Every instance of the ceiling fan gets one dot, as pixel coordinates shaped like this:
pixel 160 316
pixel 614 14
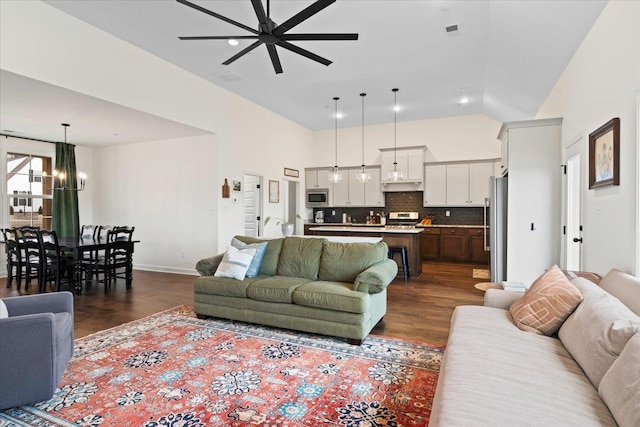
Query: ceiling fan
pixel 271 34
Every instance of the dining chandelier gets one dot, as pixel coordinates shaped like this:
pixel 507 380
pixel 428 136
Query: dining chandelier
pixel 395 174
pixel 363 176
pixel 60 178
pixel 336 176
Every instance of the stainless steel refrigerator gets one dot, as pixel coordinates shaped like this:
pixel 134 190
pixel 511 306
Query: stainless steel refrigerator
pixel 496 212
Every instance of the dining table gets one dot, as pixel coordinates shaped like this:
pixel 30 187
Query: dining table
pixel 80 245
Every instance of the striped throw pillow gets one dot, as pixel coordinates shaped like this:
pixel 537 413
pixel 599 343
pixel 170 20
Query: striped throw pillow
pixel 546 304
pixel 235 263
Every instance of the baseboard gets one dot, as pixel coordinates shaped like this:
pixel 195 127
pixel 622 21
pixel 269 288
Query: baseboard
pixel 163 269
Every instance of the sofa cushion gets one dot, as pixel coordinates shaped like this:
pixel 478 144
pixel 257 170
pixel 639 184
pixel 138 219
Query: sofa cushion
pixel 336 296
pixel 260 248
pixel 494 374
pixel 300 257
pixel 342 262
pixel 623 286
pixel 269 264
pixel 222 286
pixel 598 330
pixel 546 304
pixel 235 263
pixel 275 288
pixel 620 386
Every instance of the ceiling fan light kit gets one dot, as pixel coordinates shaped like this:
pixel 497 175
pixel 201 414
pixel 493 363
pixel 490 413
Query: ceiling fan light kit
pixel 335 175
pixel 271 34
pixel 395 174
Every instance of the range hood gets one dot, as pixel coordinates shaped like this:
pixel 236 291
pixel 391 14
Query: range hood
pixel 404 185
pixel 410 160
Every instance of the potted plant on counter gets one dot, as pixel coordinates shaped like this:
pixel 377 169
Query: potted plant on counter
pixel 287 227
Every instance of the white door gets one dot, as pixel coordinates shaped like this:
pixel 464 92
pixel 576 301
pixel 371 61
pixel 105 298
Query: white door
pixel 252 205
pixel 573 234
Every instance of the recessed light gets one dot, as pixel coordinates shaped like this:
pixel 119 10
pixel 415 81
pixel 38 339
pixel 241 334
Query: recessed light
pixel 233 42
pixel 463 100
pixel 339 116
pixel 396 108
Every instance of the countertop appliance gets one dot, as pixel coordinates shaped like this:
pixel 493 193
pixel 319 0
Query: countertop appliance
pixel 495 212
pixel 402 220
pixel 318 218
pixel 317 198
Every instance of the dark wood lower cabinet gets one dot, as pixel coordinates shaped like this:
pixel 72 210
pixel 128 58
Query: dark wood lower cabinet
pixel 454 244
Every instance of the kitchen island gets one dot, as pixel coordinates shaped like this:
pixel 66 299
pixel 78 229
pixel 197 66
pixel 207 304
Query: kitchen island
pixel 392 236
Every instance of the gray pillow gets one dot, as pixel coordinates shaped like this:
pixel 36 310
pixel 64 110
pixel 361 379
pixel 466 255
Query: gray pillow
pixel 598 330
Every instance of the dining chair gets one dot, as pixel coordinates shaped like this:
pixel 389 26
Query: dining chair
pixel 30 241
pixel 56 266
pixel 119 256
pixel 15 256
pixel 88 231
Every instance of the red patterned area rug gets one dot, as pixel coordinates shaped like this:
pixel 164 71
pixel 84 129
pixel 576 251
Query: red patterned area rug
pixel 172 369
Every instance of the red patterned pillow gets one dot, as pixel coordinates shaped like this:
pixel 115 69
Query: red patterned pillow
pixel 547 303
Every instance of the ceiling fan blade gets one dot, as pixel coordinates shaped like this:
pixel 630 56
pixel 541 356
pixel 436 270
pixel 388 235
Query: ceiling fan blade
pixel 216 15
pixel 301 16
pixel 274 58
pixel 242 52
pixel 303 52
pixel 217 37
pixel 334 36
pixel 262 16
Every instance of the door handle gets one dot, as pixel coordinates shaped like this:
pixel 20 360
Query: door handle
pixel 576 240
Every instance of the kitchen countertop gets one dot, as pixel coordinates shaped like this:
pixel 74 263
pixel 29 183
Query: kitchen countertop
pixel 450 225
pixel 365 229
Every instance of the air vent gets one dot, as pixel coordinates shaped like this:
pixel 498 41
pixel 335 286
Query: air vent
pixel 229 76
pixel 451 30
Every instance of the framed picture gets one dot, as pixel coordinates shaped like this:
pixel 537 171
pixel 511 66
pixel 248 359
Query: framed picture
pixel 274 191
pixel 604 155
pixel 292 172
pixel 237 185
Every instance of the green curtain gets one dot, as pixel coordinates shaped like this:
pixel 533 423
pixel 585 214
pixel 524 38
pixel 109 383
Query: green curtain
pixel 65 202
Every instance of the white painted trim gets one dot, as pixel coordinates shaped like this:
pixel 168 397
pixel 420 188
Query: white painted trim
pixel 163 269
pixel 637 272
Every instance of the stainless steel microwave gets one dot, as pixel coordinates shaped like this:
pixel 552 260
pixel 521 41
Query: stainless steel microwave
pixel 317 198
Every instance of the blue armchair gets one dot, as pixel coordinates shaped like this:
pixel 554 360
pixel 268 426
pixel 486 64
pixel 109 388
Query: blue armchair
pixel 36 345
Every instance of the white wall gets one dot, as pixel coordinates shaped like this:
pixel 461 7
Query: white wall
pixel 43 43
pixel 467 137
pixel 600 83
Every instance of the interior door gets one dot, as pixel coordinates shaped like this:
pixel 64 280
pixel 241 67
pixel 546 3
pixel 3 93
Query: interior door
pixel 252 205
pixel 573 234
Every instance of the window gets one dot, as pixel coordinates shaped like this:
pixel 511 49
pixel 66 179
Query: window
pixel 29 191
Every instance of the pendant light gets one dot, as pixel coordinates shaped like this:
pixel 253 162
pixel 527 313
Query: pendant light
pixel 395 174
pixel 363 176
pixel 336 175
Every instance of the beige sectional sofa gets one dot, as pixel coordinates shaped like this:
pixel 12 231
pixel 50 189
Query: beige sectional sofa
pixel 305 284
pixel 494 374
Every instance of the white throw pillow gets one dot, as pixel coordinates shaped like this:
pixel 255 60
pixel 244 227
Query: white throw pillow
pixel 3 310
pixel 235 263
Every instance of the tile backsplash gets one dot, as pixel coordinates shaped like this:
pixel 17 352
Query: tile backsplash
pixel 410 201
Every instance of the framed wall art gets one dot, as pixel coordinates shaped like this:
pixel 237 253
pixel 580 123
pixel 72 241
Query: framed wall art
pixel 604 155
pixel 292 172
pixel 237 185
pixel 274 191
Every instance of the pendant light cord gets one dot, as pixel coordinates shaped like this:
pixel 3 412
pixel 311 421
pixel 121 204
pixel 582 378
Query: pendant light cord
pixel 395 127
pixel 336 128
pixel 363 95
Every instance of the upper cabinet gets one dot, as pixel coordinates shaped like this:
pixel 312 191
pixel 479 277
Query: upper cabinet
pixel 457 183
pixel 410 160
pixel 351 193
pixel 317 178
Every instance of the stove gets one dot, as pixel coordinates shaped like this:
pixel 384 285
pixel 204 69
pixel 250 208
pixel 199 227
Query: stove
pixel 402 220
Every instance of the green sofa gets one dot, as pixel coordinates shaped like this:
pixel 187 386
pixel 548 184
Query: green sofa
pixel 305 284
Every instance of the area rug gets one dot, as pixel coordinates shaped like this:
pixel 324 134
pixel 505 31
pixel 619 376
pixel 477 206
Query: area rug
pixel 480 273
pixel 172 369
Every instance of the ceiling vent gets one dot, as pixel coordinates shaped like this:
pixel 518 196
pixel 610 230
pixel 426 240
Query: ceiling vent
pixel 451 30
pixel 229 76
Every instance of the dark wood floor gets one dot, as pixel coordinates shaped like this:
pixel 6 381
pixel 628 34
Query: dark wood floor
pixel 418 310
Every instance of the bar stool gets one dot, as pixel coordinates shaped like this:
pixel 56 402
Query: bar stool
pixel 402 250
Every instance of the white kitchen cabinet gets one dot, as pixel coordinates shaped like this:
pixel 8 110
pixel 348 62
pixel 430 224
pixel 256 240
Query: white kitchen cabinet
pixel 317 178
pixel 340 190
pixel 458 184
pixel 435 185
pixel 479 174
pixel 533 197
pixel 356 189
pixel 373 195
